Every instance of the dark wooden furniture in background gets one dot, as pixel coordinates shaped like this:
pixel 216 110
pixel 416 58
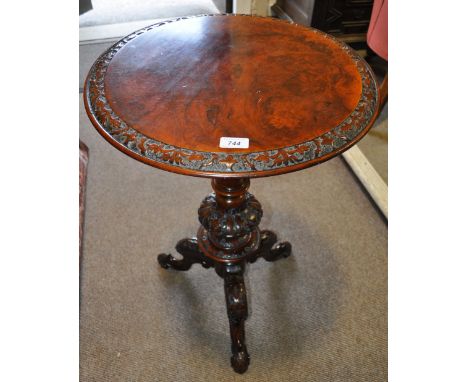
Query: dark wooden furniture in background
pixel 229 6
pixel 83 161
pixel 347 20
pixel 175 88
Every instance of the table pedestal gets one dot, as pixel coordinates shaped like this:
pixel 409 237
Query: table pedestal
pixel 228 238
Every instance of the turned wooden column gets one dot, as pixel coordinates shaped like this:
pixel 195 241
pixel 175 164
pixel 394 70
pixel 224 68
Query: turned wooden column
pixel 229 220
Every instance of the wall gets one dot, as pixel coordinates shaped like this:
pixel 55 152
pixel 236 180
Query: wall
pixel 253 7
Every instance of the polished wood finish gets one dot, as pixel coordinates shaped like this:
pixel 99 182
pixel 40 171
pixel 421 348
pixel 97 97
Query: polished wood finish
pixel 228 239
pixel 167 94
pixel 229 82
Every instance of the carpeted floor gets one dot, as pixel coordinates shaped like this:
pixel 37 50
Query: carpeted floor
pixel 320 315
pixel 122 11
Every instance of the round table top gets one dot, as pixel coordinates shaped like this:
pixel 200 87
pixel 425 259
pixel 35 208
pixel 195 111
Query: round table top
pixel 168 93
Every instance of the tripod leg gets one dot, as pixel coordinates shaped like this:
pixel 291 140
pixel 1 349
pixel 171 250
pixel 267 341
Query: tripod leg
pixel 188 248
pixel 236 303
pixel 269 250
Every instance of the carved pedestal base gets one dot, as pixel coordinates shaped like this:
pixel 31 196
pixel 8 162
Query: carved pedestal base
pixel 228 239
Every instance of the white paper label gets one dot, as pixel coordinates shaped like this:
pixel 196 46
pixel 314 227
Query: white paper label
pixel 234 143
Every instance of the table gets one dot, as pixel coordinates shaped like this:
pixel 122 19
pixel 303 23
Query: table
pixel 230 98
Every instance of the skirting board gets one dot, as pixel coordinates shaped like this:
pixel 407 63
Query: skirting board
pixel 369 177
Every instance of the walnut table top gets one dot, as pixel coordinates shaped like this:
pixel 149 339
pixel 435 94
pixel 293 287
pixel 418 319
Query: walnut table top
pixel 168 93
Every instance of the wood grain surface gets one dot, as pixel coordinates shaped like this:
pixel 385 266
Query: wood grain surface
pixel 168 93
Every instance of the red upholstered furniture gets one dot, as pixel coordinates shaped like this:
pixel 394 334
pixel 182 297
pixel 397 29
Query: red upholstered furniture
pixel 377 39
pixel 377 35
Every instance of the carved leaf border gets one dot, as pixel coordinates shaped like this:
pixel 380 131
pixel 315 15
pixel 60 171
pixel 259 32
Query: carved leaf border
pixel 226 162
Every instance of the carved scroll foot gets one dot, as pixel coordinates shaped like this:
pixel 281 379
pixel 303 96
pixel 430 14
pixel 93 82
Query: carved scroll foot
pixel 236 303
pixel 188 248
pixel 269 250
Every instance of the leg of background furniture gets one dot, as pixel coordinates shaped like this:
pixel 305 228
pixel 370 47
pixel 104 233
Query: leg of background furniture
pixel 383 92
pixel 188 248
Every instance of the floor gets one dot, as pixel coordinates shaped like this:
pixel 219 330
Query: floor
pixel 104 11
pixel 320 315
